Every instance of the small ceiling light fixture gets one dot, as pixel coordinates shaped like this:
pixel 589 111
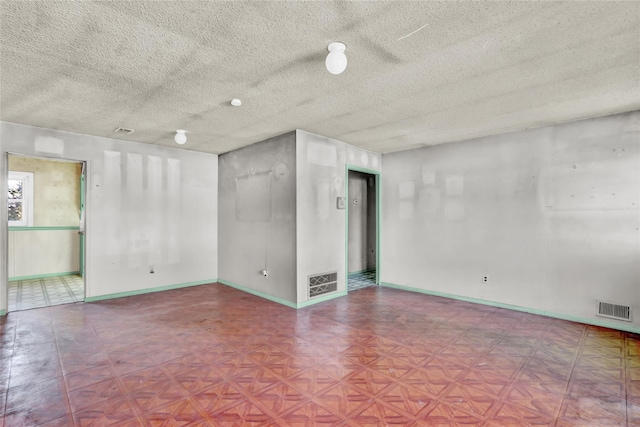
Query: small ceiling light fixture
pixel 181 136
pixel 236 102
pixel 336 61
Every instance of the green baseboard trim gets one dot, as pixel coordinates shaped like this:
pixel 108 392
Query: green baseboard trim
pixel 3 312
pixel 593 322
pixel 43 276
pixel 148 290
pixel 322 299
pixel 48 228
pixel 258 293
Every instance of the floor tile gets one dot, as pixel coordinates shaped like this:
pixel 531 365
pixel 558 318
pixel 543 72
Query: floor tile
pixel 204 356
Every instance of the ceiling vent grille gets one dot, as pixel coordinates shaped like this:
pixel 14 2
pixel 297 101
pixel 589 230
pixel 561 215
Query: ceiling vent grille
pixel 614 311
pixel 320 284
pixel 123 131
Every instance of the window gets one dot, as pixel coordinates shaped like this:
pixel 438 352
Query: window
pixel 20 199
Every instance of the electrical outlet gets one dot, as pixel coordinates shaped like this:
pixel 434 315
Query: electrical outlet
pixel 485 279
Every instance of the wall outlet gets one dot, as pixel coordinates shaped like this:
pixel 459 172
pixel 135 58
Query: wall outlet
pixel 485 279
pixel 151 269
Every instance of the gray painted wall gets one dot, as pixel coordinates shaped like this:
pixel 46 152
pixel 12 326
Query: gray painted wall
pixel 321 227
pixel 257 214
pixel 550 215
pixel 146 205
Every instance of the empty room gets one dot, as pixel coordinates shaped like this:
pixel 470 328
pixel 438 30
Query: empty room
pixel 319 213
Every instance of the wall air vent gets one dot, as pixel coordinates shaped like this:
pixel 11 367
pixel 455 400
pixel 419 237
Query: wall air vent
pixel 614 311
pixel 320 284
pixel 123 131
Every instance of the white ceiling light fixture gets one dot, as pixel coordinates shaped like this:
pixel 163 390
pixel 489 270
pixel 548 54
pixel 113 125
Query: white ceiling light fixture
pixel 336 61
pixel 236 102
pixel 181 136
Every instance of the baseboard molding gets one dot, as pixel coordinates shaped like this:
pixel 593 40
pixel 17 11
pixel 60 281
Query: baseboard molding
pixel 43 276
pixel 280 300
pixel 593 322
pixel 148 290
pixel 3 312
pixel 322 299
pixel 258 293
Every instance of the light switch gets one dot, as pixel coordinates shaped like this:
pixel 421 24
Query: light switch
pixel 341 203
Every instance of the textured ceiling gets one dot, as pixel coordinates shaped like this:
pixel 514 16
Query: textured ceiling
pixel 471 69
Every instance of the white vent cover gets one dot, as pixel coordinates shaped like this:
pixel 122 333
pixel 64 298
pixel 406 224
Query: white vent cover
pixel 124 131
pixel 320 284
pixel 614 311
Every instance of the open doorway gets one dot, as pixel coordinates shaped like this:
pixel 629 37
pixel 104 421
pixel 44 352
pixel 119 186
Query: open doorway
pixel 362 230
pixel 45 202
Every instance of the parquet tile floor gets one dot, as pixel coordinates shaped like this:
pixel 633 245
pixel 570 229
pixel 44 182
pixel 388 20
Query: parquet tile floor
pixel 213 356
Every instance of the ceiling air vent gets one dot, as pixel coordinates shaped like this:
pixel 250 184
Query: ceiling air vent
pixel 320 284
pixel 614 311
pixel 123 131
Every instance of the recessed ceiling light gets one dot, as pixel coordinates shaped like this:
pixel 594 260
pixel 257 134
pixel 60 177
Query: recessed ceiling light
pixel 236 102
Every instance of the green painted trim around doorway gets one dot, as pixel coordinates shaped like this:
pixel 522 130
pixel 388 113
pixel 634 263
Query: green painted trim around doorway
pixel 258 293
pixel 47 228
pixel 378 175
pixel 43 276
pixel 149 290
pixel 593 322
pixel 322 299
pixel 82 202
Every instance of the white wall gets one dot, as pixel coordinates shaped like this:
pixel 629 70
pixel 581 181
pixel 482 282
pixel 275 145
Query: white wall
pixel 321 178
pixel 550 215
pixel 146 205
pixel 257 212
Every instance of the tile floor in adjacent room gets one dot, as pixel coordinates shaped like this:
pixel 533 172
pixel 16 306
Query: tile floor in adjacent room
pixel 361 279
pixel 211 355
pixel 45 292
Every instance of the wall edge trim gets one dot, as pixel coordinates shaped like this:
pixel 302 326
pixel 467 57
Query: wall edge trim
pixel 258 293
pixel 317 300
pixel 149 290
pixel 3 312
pixel 586 321
pixel 43 276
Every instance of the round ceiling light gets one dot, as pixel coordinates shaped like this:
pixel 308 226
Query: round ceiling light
pixel 181 136
pixel 336 61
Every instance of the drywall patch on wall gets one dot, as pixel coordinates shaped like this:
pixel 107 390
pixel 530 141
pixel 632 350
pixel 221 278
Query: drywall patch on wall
pixel 48 145
pixel 174 215
pixel 428 175
pixel 253 197
pixel 406 190
pixel 321 153
pixel 454 184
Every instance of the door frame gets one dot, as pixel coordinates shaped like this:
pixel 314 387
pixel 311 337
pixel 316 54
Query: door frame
pixel 378 176
pixel 4 277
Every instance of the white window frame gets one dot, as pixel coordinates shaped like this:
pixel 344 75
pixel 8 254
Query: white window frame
pixel 27 198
